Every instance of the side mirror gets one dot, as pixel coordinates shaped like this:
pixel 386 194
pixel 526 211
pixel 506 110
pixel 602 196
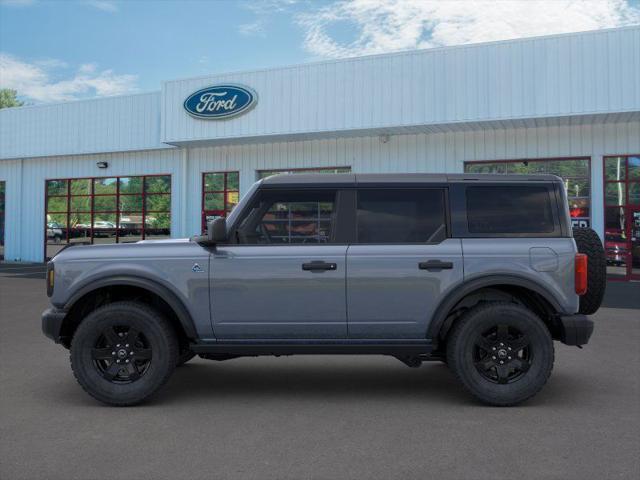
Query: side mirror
pixel 217 230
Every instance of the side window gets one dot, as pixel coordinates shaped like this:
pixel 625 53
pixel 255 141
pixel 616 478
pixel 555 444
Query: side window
pixel 509 209
pixel 279 218
pixel 401 216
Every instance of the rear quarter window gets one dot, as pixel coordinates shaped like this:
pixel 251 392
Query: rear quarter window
pixel 514 209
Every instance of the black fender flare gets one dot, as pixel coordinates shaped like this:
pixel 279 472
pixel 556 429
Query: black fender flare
pixel 184 317
pixel 458 293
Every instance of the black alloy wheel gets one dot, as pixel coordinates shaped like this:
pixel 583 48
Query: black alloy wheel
pixel 122 354
pixel 502 354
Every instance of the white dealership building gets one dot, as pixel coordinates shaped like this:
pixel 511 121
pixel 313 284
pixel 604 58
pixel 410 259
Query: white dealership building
pixel 156 164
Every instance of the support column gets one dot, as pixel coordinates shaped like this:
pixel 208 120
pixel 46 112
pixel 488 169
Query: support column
pixel 184 193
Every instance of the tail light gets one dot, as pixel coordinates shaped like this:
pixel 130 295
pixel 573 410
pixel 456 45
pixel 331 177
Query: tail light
pixel 581 273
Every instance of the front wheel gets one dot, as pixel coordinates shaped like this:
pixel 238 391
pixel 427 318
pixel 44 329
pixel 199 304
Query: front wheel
pixel 123 352
pixel 501 352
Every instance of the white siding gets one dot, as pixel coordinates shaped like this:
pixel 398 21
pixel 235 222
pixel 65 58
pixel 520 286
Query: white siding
pixel 25 195
pixel 548 77
pixel 89 126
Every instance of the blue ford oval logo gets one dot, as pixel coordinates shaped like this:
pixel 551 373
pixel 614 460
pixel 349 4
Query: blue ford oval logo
pixel 220 101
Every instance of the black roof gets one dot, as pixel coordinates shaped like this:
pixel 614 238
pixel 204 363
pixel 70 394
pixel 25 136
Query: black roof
pixel 352 179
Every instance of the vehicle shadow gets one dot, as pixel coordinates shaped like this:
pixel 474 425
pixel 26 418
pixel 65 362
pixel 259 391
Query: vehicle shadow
pixel 317 380
pixel 433 383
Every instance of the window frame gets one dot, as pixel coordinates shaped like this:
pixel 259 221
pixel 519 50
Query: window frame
pixel 225 192
pixel 627 208
pixel 92 211
pixel 445 204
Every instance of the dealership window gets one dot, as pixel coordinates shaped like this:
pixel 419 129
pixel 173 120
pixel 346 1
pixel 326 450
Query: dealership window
pixel 2 210
pixel 106 210
pixel 575 173
pixel 401 216
pixel 268 173
pixel 622 216
pixel 220 193
pixel 290 218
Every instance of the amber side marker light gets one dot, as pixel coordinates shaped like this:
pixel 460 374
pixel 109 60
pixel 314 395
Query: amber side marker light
pixel 581 273
pixel 50 279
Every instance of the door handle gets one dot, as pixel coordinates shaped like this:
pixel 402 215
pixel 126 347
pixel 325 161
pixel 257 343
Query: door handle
pixel 435 265
pixel 319 266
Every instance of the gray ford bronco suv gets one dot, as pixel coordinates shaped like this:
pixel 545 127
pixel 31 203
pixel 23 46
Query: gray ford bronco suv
pixel 482 272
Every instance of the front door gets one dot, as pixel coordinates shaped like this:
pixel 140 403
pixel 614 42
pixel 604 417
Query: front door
pixel 285 276
pixel 402 263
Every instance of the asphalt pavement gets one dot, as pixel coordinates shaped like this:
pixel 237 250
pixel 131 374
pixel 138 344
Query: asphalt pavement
pixel 317 417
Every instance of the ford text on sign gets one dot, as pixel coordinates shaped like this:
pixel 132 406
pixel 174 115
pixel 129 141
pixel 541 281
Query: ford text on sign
pixel 220 101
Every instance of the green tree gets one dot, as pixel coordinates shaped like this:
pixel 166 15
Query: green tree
pixel 8 98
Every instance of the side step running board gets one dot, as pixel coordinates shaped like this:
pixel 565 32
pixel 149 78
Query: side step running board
pixel 402 348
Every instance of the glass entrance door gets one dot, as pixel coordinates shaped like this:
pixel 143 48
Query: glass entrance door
pixel 635 242
pixel 622 216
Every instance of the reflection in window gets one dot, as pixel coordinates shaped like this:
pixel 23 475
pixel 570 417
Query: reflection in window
pixel 107 210
pixel 573 171
pixel 622 217
pixel 297 222
pixel 294 218
pixel 220 194
pixel 614 193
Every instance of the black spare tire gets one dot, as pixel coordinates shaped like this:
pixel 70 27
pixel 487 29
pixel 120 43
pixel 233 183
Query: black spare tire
pixel 589 243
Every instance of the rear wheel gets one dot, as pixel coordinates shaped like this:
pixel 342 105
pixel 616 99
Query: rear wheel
pixel 501 352
pixel 123 352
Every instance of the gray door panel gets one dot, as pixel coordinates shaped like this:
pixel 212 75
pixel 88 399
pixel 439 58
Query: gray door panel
pixel 264 292
pixel 389 295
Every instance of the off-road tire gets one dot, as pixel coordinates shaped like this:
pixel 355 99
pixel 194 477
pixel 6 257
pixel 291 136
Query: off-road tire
pixel 589 243
pixel 156 332
pixel 482 318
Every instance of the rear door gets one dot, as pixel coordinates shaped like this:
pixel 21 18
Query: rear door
pixel 402 262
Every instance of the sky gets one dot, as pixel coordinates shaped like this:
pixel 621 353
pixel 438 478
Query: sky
pixel 59 50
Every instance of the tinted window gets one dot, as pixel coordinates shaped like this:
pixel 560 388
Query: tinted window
pixel 573 171
pixel 290 218
pixel 509 209
pixel 401 216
